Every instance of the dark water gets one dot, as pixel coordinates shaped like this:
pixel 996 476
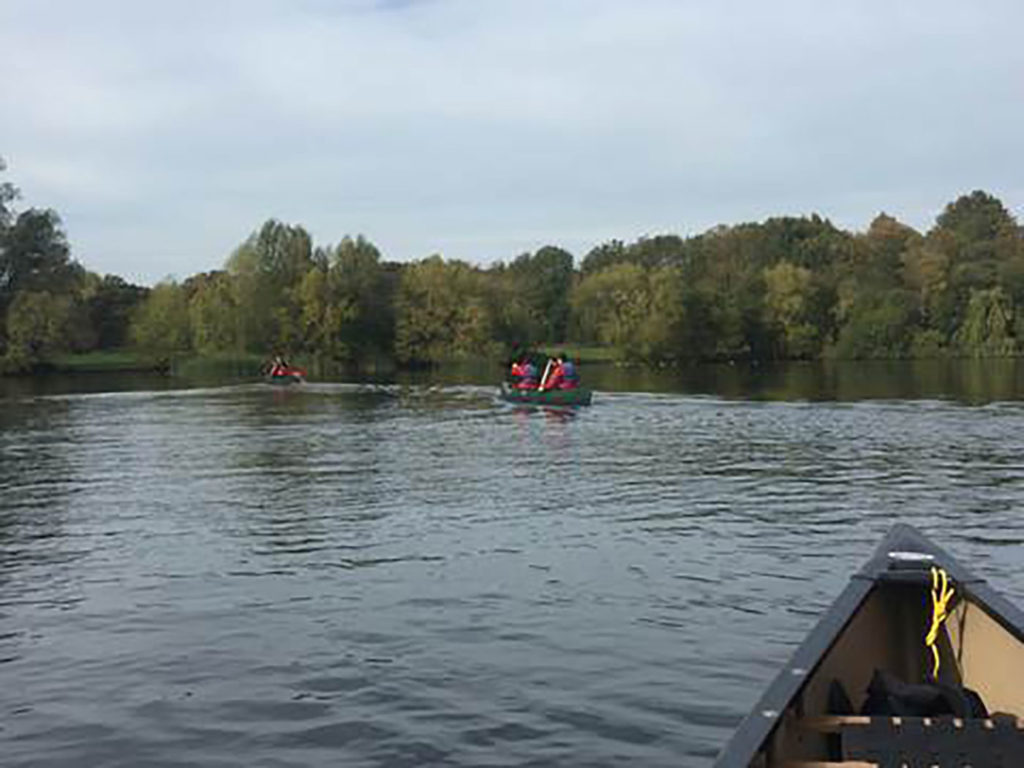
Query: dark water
pixel 419 575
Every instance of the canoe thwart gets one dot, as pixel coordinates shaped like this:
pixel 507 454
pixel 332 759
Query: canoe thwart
pixel 835 723
pixel 943 741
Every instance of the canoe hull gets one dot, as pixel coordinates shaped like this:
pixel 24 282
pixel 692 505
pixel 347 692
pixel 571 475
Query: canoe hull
pixel 285 380
pixel 878 623
pixel 579 396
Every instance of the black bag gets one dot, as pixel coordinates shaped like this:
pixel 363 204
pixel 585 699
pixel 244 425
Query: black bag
pixel 888 695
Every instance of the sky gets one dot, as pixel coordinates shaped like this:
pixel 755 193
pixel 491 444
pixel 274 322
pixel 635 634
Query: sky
pixel 165 133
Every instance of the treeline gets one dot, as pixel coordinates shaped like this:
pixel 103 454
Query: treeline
pixel 799 288
pixel 787 288
pixel 49 303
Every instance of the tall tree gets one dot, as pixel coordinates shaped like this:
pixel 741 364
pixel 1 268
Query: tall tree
pixel 267 270
pixel 603 256
pixel 110 304
pixel 789 306
pixel 34 257
pixel 880 325
pixel 39 327
pixel 161 326
pixel 544 280
pixel 976 217
pixel 360 280
pixel 325 314
pixel 988 329
pixel 612 305
pixel 442 313
pixel 212 312
pixel 8 193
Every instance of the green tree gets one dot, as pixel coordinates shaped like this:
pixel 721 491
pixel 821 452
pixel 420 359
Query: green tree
pixel 978 238
pixel 110 305
pixel 611 306
pixel 927 273
pixel 665 334
pixel 789 302
pixel 977 218
pixel 544 280
pixel 361 282
pixel 658 251
pixel 34 257
pixel 39 325
pixel 347 302
pixel 875 260
pixel 266 272
pixel 161 326
pixel 514 323
pixel 879 326
pixel 442 313
pixel 212 313
pixel 326 312
pixel 603 256
pixel 988 329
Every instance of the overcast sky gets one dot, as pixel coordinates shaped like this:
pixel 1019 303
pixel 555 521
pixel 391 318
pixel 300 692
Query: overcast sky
pixel 164 133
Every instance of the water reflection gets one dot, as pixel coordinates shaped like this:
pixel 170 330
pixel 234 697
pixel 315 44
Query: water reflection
pixel 15 387
pixel 973 381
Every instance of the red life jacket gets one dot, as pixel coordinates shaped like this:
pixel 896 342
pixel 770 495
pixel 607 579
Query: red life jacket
pixel 554 377
pixel 527 377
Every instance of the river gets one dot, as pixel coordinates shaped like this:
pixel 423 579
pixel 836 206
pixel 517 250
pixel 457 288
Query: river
pixel 414 573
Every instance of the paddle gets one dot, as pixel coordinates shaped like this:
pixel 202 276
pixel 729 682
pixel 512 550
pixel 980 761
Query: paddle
pixel 547 369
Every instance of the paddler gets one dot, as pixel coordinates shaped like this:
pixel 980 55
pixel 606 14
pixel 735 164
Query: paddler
pixel 563 374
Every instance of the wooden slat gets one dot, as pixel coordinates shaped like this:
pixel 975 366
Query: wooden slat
pixel 835 723
pixel 831 723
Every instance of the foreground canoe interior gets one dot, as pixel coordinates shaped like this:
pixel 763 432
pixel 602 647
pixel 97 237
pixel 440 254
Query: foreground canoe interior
pixel 886 633
pixel 813 715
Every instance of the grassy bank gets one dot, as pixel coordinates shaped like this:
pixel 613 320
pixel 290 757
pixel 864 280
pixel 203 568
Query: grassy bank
pixel 245 365
pixel 103 361
pixel 582 354
pixel 130 360
pixel 237 364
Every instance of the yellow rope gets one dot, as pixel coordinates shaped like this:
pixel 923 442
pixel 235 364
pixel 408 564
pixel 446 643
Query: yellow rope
pixel 942 593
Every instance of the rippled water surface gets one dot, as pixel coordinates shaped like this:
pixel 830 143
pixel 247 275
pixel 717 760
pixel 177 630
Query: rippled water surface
pixel 387 576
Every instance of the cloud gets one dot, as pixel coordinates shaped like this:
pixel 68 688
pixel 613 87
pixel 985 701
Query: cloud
pixel 165 133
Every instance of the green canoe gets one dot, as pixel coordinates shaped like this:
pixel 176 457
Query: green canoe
pixel 579 396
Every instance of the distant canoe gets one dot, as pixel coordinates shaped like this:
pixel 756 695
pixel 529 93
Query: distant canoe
pixel 291 376
pixel 578 396
pixel 833 704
